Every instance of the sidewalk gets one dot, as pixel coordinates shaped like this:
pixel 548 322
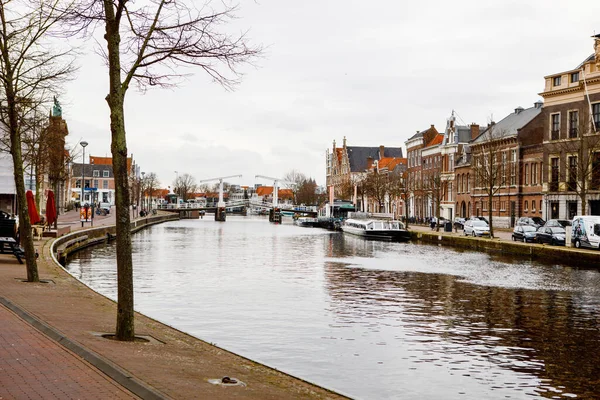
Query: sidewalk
pixel 500 233
pixel 172 365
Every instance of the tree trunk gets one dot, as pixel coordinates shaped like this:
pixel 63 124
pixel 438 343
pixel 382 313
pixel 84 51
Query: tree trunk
pixel 125 315
pixel 490 213
pixel 26 234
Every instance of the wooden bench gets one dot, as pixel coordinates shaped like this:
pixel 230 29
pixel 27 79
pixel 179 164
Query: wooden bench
pixel 13 247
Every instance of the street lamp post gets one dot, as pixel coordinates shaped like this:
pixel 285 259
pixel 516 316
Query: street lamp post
pixel 83 144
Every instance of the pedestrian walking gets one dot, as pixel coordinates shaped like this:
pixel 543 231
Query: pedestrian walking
pixel 433 222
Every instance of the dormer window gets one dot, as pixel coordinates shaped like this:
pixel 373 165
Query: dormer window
pixel 575 77
pixel 556 81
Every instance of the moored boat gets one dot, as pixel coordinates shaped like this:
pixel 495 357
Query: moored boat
pixel 306 221
pixel 376 229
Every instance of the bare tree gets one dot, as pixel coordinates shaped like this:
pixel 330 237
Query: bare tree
pixel 293 180
pixel 436 192
pixel 185 186
pixel 151 183
pixel 146 43
pixel 29 68
pixel 401 187
pixel 306 192
pixel 489 170
pixel 376 186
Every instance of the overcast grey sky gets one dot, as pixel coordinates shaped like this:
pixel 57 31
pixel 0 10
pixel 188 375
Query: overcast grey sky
pixel 375 72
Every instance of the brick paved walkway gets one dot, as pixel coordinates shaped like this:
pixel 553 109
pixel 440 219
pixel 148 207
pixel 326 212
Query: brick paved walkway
pixel 33 366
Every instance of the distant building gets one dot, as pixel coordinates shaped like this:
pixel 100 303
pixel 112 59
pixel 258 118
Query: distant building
pixel 347 165
pixel 98 180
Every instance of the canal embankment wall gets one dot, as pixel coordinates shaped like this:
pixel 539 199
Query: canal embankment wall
pixel 532 251
pixel 68 244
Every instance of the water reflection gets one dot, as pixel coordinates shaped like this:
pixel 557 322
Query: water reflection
pixel 371 319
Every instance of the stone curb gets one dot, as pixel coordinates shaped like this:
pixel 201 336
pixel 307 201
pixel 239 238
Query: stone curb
pixel 113 371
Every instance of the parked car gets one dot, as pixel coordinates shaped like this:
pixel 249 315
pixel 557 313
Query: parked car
pixel 533 221
pixel 560 223
pixel 552 235
pixel 475 227
pixel 481 219
pixel 524 233
pixel 105 207
pixel 459 223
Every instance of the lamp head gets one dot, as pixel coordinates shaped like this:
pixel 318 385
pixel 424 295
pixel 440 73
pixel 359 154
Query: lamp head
pixel 83 143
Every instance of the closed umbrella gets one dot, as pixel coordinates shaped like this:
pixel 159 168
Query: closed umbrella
pixel 34 217
pixel 50 208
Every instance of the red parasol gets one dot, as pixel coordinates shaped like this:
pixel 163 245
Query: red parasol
pixel 34 217
pixel 50 208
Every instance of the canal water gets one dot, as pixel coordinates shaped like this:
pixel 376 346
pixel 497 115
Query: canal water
pixel 372 320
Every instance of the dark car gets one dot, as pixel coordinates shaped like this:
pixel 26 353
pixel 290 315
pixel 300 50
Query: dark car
pixel 552 235
pixel 533 221
pixel 524 233
pixel 559 223
pixel 459 223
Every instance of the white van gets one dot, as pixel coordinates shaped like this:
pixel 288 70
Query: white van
pixel 585 231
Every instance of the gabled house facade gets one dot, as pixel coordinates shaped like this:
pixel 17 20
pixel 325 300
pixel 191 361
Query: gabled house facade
pixel 513 146
pixel 346 167
pixel 414 147
pixel 455 138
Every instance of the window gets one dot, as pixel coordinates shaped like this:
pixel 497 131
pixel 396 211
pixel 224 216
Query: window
pixel 556 81
pixel 532 205
pixel 540 206
pixel 513 168
pixel 526 207
pixel 96 173
pixel 96 183
pixel 596 115
pixel 554 170
pixel 554 126
pixel 503 169
pixel 575 77
pixel 572 173
pixel 468 180
pixel 105 174
pixel 86 184
pixel 105 184
pixel 78 183
pixel 527 174
pixel 534 174
pixel 596 171
pixel 573 123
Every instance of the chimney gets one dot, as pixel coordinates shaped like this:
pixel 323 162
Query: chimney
pixel 474 131
pixel 334 145
pixel 381 151
pixel 344 141
pixel 538 104
pixel 369 163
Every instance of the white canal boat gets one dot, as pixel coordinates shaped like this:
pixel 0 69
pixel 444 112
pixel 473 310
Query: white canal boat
pixel 376 229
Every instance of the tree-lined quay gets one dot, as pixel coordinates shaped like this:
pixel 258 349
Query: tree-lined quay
pixel 541 161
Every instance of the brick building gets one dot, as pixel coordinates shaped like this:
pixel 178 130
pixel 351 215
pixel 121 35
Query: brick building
pixel 571 139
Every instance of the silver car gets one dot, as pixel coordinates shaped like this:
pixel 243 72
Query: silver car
pixel 476 227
